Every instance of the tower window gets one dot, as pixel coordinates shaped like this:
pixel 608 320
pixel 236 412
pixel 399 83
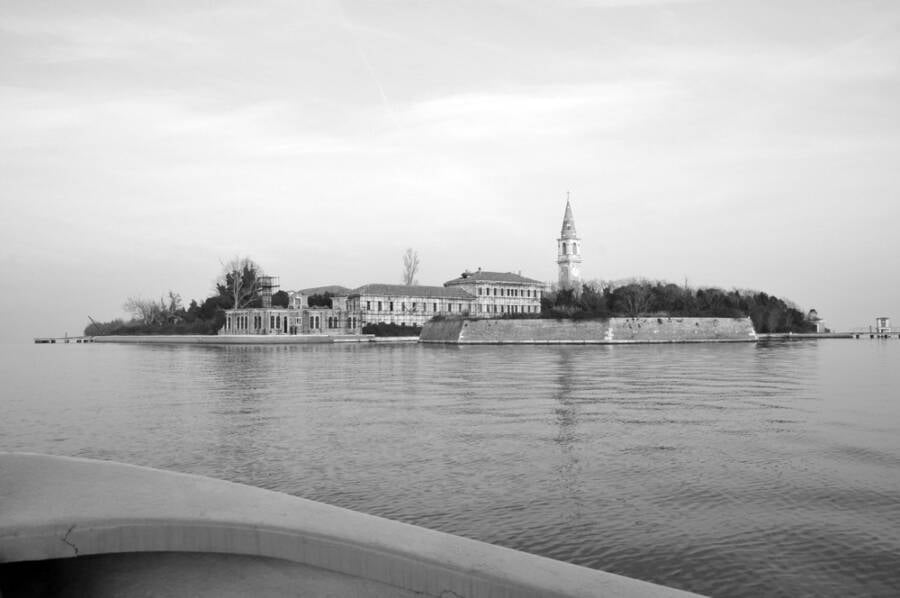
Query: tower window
pixel 574 247
pixel 565 249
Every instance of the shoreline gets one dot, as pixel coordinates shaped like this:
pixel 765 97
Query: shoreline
pixel 249 339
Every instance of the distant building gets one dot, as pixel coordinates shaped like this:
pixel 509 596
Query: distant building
pixel 479 294
pixel 297 318
pixel 882 325
pixel 496 294
pixel 813 317
pixel 403 304
pixel 569 253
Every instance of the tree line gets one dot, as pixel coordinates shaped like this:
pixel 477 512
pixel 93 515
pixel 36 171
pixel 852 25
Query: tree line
pixel 645 298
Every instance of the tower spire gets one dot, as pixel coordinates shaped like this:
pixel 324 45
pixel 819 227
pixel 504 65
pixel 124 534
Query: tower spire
pixel 569 251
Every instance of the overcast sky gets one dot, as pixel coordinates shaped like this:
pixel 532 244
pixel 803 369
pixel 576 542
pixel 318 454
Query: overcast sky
pixel 740 143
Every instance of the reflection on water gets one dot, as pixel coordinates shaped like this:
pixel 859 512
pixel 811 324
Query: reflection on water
pixel 737 470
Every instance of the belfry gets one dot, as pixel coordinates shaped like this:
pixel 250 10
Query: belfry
pixel 569 253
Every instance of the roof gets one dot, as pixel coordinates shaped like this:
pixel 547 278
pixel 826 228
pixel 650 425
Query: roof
pixel 483 276
pixel 402 290
pixel 568 224
pixel 334 289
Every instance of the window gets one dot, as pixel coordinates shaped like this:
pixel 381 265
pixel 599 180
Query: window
pixel 565 249
pixel 379 306
pixel 271 321
pixel 574 247
pixel 495 291
pixel 391 306
pixel 495 309
pixel 403 306
pixel 450 307
pixel 434 307
pixel 479 290
pixel 368 305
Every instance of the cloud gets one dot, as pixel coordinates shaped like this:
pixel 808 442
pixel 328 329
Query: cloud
pixel 547 110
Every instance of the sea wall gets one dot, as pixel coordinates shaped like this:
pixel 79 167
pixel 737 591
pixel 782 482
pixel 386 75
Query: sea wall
pixel 609 331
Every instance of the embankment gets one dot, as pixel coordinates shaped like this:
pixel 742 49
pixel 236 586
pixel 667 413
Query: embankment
pixel 249 339
pixel 610 331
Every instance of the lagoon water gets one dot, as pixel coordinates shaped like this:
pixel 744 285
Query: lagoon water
pixel 731 470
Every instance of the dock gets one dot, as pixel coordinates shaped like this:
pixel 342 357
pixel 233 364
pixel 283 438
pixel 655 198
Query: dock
pixel 44 340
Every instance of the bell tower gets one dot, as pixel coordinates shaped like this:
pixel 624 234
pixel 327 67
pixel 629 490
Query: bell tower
pixel 569 253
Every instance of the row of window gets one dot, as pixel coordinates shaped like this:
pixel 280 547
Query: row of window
pixel 509 309
pixel 503 292
pixel 334 322
pixel 413 306
pixel 276 322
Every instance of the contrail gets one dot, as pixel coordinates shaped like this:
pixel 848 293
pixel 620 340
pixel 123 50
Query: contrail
pixel 365 61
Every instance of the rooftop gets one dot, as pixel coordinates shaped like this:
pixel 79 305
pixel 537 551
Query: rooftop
pixel 336 290
pixel 484 276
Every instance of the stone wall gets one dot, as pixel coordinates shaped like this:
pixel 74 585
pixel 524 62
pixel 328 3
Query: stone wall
pixel 611 331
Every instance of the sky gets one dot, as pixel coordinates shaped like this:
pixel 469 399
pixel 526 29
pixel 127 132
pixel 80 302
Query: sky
pixel 739 144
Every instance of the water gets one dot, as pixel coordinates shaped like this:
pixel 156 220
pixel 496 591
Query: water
pixel 731 470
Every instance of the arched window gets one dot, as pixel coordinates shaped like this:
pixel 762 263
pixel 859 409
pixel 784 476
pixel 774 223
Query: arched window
pixel 565 249
pixel 574 248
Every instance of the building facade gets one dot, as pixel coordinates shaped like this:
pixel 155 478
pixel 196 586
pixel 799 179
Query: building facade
pixel 568 253
pixel 410 305
pixel 297 318
pixel 496 294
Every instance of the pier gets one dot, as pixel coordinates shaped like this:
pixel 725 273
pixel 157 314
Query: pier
pixel 45 340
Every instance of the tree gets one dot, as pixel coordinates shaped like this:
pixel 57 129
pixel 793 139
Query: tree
pixel 320 300
pixel 281 299
pixel 410 267
pixel 240 282
pixel 145 311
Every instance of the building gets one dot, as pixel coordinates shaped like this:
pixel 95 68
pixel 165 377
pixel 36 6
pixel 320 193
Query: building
pixel 813 317
pixel 410 305
pixel 568 250
pixel 882 325
pixel 297 318
pixel 479 294
pixel 496 294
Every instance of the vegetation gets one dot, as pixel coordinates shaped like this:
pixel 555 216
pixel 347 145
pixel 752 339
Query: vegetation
pixel 645 298
pixel 281 299
pixel 385 329
pixel 410 267
pixel 319 299
pixel 238 284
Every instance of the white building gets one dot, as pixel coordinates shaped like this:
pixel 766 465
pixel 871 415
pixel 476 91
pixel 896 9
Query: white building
pixel 496 294
pixel 410 305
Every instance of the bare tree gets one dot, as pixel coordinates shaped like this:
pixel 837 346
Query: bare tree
pixel 146 311
pixel 239 280
pixel 410 267
pixel 636 299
